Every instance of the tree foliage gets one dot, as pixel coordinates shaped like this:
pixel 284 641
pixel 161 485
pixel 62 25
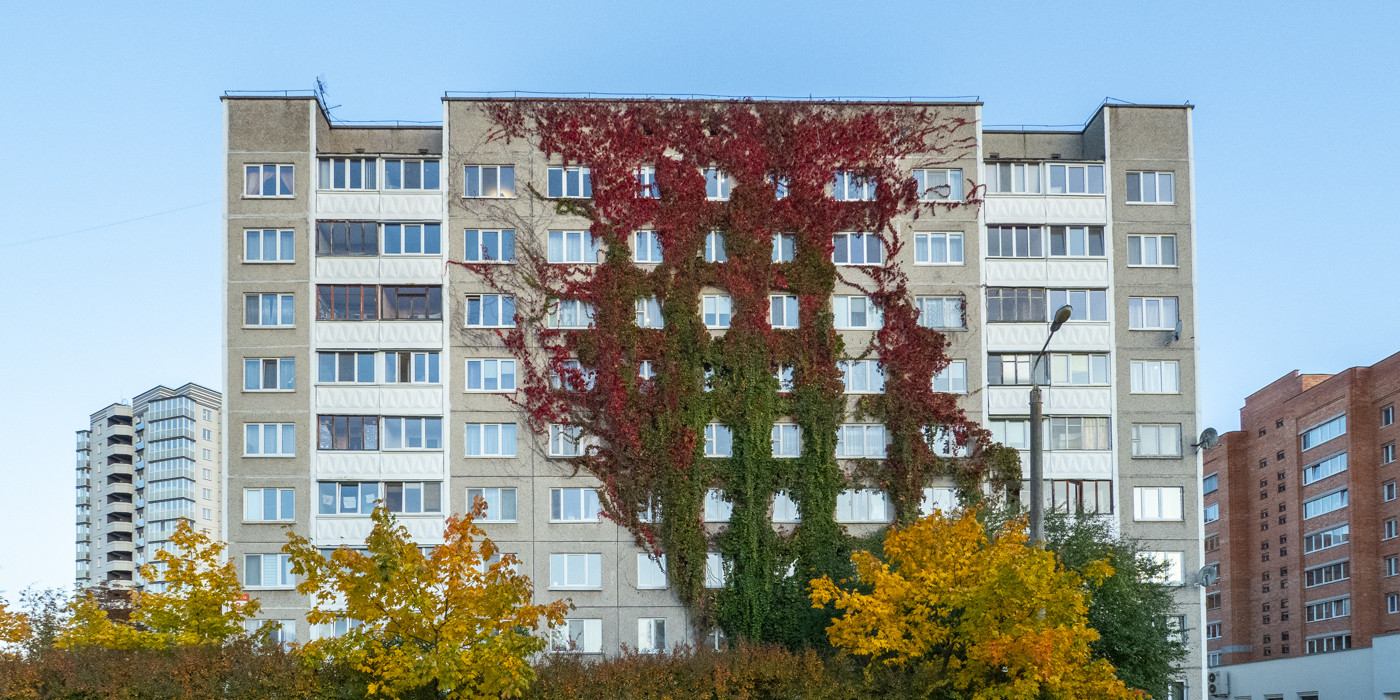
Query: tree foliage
pixel 972 614
pixel 458 620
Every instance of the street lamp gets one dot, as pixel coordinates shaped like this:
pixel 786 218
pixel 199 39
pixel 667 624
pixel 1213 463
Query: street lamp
pixel 1037 470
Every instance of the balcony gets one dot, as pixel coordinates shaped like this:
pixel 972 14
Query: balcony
pixel 168 492
pixel 120 488
pixel 84 440
pixel 1046 209
pixel 1029 337
pixel 170 449
pixel 170 408
pixel 1061 400
pixel 400 399
pixel 375 335
pixel 166 430
pixel 391 205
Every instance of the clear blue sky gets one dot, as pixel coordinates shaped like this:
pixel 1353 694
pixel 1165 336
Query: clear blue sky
pixel 110 112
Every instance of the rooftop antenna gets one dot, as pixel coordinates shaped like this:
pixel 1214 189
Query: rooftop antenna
pixel 321 96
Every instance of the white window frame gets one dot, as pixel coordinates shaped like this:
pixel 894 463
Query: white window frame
pixel 286 580
pixel 255 505
pixel 1175 561
pixel 846 243
pixel 718 184
pixel 715 251
pixel 284 366
pixel 651 635
pixel 867 432
pixel 583 178
pixel 1321 469
pixel 1066 367
pixel 404 232
pixel 938 498
pixel 867 373
pixel 584 499
pixel 862 506
pixel 567 441
pixel 1139 431
pixel 646 183
pixel 1165 374
pixel 495 498
pixel 283 240
pixel 1158 244
pixel 358 364
pixel 420 433
pixel 590 631
pixel 369 173
pixel 783 310
pixel 506 436
pixel 1140 307
pixel 716 310
pixel 1323 432
pixel 501 192
pixel 1330 502
pixel 784 247
pixel 480 300
pixel 283 302
pixel 1388 491
pixel 716 575
pixel 953 378
pixel 589 252
pixel 1087 305
pixel 262 174
pixel 649 570
pixel 1067 170
pixel 847 187
pixel 1211 513
pixel 1161 180
pixel 1020 178
pixel 786 439
pixel 718 435
pixel 950 245
pixel 278 430
pixel 427 361
pixel 649 313
pixel 419 162
pixel 505 245
pixel 925 304
pixel 646 247
pixel 718 509
pixel 784 377
pixel 842 305
pixel 497 366
pixel 1326 539
pixel 930 182
pixel 580 314
pixel 785 509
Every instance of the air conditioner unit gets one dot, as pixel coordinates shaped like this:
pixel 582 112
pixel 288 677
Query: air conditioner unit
pixel 1218 684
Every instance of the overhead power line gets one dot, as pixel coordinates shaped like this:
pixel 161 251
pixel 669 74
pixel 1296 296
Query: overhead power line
pixel 52 236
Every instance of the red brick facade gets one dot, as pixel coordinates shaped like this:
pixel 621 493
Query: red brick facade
pixel 1261 601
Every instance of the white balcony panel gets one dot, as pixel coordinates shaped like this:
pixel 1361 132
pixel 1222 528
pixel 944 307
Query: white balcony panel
pixel 407 206
pixel 348 399
pixel 347 205
pixel 416 335
pixel 1028 337
pixel 411 270
pixel 1047 273
pixel 1046 210
pixel 1076 401
pixel 1077 465
pixel 411 400
pixel 346 465
pixel 424 529
pixel 412 465
pixel 332 531
pixel 1009 400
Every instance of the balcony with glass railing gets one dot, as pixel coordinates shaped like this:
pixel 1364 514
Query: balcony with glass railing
pixel 170 510
pixel 170 408
pixel 170 449
pixel 165 491
pixel 84 440
pixel 180 468
pixel 170 428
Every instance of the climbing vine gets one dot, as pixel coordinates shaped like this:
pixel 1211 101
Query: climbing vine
pixel 648 433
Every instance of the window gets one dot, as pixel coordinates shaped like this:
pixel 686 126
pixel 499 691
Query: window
pixel 348 433
pixel 489 181
pixel 782 312
pixel 1387 453
pixel 649 313
pixel 570 313
pixel 1172 563
pixel 944 442
pixel 490 311
pixel 267 571
pixel 1157 440
pixel 719 441
pixel 1091 496
pixel 717 184
pixel 716 310
pixel 780 186
pixel 409 367
pixel 268 245
pixel 576 571
pixel 1336 464
pixel 848 187
pixel 1315 436
pixel 787 440
pixel 1152 314
pixel 1212 601
pixel 490 439
pixel 952 379
pixel 785 509
pixel 400 174
pixel 579 636
pixel 1326 539
pixel 268 180
pixel 861 506
pixel 269 374
pixel 566 441
pixel 651 571
pixel 784 377
pixel 1011 305
pixel 1388 491
pixel 1325 504
pixel 1152 251
pixel 1390 530
pixel 412 303
pixel 571 375
pixel 269 439
pixel 1328 609
pixel 1213 659
pixel 573 182
pixel 718 509
pixel 646 247
pixel 347 498
pixel 714 247
pixel 1321 575
pixel 714 570
pixel 938 248
pixel 1015 242
pixel 1085 304
pixel 347 173
pixel 483 245
pixel 1066 178
pixel 854 441
pixel 1013 178
pixel 1015 370
pixel 340 302
pixel 784 247
pixel 1212 512
pixel 208 434
pixel 500 503
pixel 651 635
pixel 1077 433
pixel 414 239
pixel 1213 630
pixel 1079 370
pixel 934 498
pixel 1387 415
pixel 269 505
pixel 412 433
pixel 490 375
pixel 413 497
pixel 1150 188
pixel 940 312
pixel 646 183
pixel 1392 566
pixel 1076 241
pixel 347 238
pixel 939 185
pixel 857 249
pixel 572 247
pixel 345 367
pixel 1155 503
pixel 1155 377
pixel 573 505
pixel 857 313
pixel 862 376
pixel 269 310
pixel 1012 433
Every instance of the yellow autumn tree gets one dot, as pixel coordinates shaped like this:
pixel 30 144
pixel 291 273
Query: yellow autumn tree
pixel 14 626
pixel 972 615
pixel 457 621
pixel 90 625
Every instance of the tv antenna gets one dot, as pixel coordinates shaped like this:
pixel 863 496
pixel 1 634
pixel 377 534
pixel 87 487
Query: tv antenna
pixel 321 96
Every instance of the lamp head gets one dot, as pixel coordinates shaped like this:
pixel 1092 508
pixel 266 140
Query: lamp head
pixel 1061 316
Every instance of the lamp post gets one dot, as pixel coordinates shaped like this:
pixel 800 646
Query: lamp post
pixel 1037 469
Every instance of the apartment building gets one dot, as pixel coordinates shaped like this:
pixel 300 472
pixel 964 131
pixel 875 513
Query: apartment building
pixel 143 467
pixel 390 384
pixel 1301 520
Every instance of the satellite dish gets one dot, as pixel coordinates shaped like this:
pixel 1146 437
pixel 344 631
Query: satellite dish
pixel 1209 438
pixel 1208 575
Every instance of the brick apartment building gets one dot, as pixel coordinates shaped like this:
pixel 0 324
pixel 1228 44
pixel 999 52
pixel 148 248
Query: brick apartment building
pixel 1311 564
